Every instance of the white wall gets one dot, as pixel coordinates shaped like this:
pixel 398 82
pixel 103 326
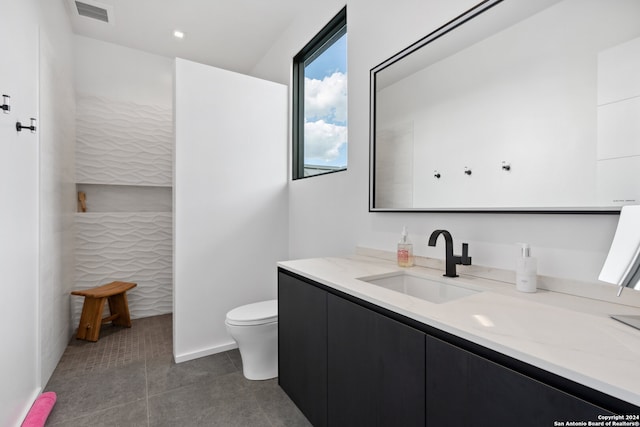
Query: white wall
pixel 329 214
pixel 116 72
pixel 230 200
pixel 57 190
pixel 19 359
pixel 322 210
pixel 38 199
pixel 618 129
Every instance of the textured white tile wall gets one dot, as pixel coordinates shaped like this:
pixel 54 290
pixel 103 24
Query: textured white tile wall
pixel 131 247
pixel 126 148
pixel 121 142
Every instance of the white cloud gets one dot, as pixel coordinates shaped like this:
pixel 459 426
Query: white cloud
pixel 323 140
pixel 327 98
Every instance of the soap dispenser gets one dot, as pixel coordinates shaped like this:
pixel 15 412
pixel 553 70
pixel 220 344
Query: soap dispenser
pixel 526 270
pixel 405 250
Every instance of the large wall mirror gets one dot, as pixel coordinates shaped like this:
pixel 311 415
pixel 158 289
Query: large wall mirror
pixel 517 105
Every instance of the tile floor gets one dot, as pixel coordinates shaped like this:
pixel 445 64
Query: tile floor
pixel 128 378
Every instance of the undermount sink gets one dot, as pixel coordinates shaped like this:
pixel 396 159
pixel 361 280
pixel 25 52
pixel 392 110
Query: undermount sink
pixel 431 290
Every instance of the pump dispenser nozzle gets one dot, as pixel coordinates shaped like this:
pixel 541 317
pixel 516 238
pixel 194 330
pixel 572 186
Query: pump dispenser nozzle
pixel 404 234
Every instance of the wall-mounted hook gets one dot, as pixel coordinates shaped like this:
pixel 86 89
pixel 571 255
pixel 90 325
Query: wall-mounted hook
pixel 467 171
pixel 5 104
pixel 436 174
pixel 506 166
pixel 32 128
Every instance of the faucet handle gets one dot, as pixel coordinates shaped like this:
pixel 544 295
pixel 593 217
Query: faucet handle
pixel 465 259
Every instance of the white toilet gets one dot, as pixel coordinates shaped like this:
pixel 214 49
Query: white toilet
pixel 255 329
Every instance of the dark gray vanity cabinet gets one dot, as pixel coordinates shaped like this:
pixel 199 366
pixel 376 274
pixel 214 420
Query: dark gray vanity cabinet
pixel 345 365
pixel 347 362
pixel 375 368
pixel 302 346
pixel 466 389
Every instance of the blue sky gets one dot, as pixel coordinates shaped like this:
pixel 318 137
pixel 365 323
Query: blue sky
pixel 333 59
pixel 326 107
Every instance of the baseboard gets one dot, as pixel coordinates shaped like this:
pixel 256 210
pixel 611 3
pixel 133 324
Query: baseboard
pixel 184 357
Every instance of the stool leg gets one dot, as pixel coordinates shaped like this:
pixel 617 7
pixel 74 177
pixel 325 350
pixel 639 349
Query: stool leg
pixel 91 319
pixel 118 304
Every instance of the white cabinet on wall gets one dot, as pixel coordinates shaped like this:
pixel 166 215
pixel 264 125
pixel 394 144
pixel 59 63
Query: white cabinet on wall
pixel 124 167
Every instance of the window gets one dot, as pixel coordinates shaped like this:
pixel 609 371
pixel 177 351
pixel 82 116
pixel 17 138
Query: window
pixel 320 102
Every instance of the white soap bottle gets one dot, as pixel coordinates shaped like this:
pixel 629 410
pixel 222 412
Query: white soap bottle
pixel 526 270
pixel 405 250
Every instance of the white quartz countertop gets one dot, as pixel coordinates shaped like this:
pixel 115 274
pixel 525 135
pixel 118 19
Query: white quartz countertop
pixel 567 335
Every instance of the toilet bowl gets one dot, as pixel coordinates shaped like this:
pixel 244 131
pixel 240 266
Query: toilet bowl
pixel 255 329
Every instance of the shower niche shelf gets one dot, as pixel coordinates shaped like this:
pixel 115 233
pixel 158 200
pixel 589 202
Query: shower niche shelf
pixel 125 198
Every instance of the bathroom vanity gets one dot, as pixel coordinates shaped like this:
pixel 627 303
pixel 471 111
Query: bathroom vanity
pixel 352 352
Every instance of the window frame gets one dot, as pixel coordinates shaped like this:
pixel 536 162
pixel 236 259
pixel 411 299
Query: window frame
pixel 330 33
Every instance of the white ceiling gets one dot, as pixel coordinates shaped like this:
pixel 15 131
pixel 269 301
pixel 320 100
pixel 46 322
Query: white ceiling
pixel 230 34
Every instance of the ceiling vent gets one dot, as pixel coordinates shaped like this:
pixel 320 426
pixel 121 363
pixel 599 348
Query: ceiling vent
pixel 92 11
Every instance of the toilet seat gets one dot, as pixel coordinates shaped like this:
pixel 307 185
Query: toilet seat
pixel 258 313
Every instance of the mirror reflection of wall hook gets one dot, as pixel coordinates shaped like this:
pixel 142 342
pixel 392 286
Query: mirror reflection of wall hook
pixel 467 171
pixel 5 105
pixel 32 128
pixel 436 174
pixel 506 166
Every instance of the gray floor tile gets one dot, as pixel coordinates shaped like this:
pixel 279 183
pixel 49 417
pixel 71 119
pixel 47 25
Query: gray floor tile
pixel 81 393
pixel 163 374
pixel 234 355
pixel 128 378
pixel 279 409
pixel 129 415
pixel 223 402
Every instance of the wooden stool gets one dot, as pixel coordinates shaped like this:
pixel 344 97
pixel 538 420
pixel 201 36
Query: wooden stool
pixel 94 299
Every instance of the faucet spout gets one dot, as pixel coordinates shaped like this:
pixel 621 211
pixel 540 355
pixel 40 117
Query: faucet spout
pixel 448 242
pixel 450 259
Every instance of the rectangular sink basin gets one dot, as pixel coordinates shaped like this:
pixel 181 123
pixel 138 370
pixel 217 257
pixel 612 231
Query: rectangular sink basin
pixel 420 287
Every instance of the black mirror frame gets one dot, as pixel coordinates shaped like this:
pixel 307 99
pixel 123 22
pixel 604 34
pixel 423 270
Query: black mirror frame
pixel 441 31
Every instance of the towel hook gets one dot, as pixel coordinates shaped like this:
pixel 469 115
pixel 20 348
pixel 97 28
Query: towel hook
pixel 32 128
pixel 5 105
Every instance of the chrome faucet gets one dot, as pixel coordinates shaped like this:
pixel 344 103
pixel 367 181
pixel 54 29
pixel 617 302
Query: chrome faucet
pixel 451 260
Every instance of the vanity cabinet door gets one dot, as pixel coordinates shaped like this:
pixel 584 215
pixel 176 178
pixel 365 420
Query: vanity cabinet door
pixel 501 396
pixel 446 385
pixel 466 389
pixel 376 368
pixel 302 346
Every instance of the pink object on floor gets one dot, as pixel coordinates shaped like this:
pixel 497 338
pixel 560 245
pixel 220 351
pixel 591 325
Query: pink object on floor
pixel 40 410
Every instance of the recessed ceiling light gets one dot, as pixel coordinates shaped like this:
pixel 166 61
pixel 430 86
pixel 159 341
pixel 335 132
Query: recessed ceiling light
pixel 178 34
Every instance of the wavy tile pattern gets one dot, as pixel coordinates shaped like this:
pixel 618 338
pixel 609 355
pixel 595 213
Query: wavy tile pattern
pixel 131 247
pixel 125 143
